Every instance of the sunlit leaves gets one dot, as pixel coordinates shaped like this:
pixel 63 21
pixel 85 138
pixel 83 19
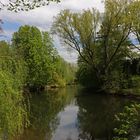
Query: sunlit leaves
pixel 128 121
pixel 13 116
pixel 101 39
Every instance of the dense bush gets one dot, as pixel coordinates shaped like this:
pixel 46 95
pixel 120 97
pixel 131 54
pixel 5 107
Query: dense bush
pixel 128 123
pixel 13 117
pixel 135 81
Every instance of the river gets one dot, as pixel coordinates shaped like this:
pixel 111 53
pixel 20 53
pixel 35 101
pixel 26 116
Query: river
pixel 72 114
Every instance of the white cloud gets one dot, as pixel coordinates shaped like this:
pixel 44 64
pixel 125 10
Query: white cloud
pixel 70 56
pixel 43 17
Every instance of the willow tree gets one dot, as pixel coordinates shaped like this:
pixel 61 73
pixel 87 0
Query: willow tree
pixel 13 116
pixel 101 39
pixel 79 31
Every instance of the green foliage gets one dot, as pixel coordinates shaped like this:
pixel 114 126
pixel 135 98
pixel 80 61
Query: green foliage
pixel 44 65
pixel 101 40
pixel 33 47
pixel 31 61
pixel 87 77
pixel 65 72
pixel 13 116
pixel 11 63
pixel 114 81
pixel 135 81
pixel 128 122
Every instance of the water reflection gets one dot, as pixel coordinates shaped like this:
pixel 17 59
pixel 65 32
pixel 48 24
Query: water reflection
pixel 44 109
pixel 96 115
pixel 68 114
pixel 67 130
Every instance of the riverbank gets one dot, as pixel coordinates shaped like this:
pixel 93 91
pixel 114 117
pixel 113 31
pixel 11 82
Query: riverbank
pixel 129 93
pixel 133 93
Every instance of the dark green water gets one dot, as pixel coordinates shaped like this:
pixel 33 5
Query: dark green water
pixel 72 114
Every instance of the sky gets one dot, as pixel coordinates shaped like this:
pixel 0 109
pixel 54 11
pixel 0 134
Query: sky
pixel 43 17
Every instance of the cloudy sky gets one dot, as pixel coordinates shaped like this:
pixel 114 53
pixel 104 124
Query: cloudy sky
pixel 43 18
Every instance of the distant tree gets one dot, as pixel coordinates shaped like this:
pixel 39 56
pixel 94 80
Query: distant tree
pixel 65 71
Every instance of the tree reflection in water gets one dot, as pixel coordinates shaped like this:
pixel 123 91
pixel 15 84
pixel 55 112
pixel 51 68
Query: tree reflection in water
pixel 96 115
pixel 43 115
pixel 44 109
pixel 59 115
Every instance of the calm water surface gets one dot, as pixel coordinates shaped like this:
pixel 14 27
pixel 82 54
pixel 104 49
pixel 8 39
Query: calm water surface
pixel 72 114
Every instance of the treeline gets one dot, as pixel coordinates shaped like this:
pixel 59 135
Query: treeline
pixel 40 61
pixel 103 42
pixel 30 62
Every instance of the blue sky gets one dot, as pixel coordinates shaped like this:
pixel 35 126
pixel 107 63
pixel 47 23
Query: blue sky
pixel 135 41
pixel 10 25
pixel 8 29
pixel 43 18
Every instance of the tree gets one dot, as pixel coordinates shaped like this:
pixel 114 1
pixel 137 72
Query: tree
pixel 100 39
pixel 13 114
pixel 35 48
pixel 65 72
pixel 77 31
pixel 44 65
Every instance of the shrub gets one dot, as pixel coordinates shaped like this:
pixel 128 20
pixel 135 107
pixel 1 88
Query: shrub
pixel 128 122
pixel 13 116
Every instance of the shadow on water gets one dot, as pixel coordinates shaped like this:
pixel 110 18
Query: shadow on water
pixel 68 114
pixel 96 115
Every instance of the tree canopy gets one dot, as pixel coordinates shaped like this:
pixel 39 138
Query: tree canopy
pixel 101 39
pixel 43 64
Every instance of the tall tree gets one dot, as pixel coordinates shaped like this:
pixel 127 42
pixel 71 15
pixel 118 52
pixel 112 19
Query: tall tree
pixel 100 39
pixel 78 31
pixel 35 49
